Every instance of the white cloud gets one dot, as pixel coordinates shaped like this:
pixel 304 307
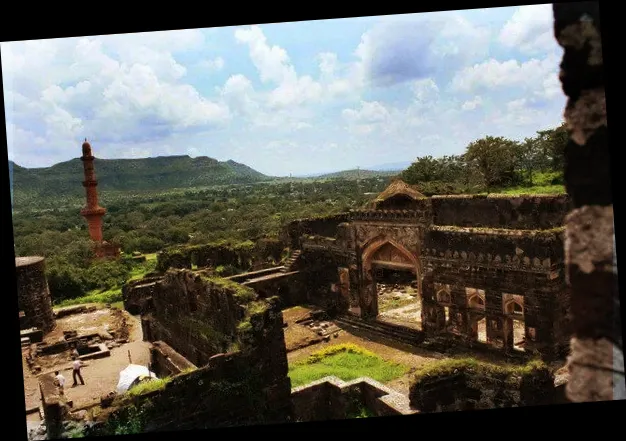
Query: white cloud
pixel 213 64
pixel 274 66
pixel 492 74
pixel 530 30
pixel 403 49
pixel 472 104
pixel 65 90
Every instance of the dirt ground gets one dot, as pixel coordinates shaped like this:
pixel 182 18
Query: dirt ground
pixel 100 375
pixel 296 335
pixel 400 305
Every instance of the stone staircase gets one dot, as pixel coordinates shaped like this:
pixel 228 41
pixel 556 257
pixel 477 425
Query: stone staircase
pixel 380 329
pixel 291 261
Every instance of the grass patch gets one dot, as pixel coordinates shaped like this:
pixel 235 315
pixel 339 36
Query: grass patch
pixel 139 270
pixel 394 304
pixel 148 386
pixel 346 361
pixel 535 189
pixel 118 305
pixel 109 296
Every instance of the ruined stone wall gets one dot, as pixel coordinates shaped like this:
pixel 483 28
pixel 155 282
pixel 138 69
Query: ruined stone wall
pixel 323 226
pixel 331 398
pixel 246 386
pixel 597 362
pixel 53 404
pixel 243 256
pixel 523 212
pixel 136 293
pixel 529 266
pixel 319 279
pixel 195 316
pixel 467 385
pixel 33 294
pixel 166 362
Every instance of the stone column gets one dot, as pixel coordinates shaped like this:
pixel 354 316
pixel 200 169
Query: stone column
pixel 596 362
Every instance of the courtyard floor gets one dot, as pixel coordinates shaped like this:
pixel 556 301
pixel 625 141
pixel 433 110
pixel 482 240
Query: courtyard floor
pixel 101 375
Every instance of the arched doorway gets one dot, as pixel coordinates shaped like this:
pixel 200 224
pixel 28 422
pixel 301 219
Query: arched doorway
pixel 391 290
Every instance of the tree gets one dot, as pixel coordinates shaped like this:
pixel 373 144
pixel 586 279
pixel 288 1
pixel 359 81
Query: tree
pixel 529 158
pixel 424 169
pixel 494 159
pixel 552 144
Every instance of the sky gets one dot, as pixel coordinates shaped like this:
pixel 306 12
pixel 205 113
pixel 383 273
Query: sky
pixel 288 98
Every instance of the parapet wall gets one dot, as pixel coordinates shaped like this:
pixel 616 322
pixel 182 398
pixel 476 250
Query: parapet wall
pixel 332 398
pixel 517 248
pixel 467 385
pixel 54 407
pixel 166 362
pixel 33 294
pixel 244 256
pixel 501 211
pixel 322 226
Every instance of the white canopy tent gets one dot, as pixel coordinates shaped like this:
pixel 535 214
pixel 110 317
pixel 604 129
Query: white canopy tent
pixel 132 374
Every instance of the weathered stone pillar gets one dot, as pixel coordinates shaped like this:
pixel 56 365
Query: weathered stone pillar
pixel 596 362
pixel 33 294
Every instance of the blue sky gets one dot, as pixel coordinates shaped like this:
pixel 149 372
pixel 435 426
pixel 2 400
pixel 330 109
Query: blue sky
pixel 299 97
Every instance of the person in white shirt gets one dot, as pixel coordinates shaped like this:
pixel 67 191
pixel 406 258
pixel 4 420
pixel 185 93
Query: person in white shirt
pixel 60 379
pixel 76 372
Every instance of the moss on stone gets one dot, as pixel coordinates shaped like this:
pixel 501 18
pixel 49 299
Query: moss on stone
pixel 241 293
pixel 217 340
pixel 454 366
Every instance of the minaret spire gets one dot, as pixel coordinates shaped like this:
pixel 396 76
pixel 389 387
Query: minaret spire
pixel 92 212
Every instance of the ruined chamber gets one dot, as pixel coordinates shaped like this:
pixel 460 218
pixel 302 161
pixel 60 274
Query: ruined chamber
pixel 483 271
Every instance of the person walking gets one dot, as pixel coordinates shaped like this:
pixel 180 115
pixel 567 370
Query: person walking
pixel 60 379
pixel 76 372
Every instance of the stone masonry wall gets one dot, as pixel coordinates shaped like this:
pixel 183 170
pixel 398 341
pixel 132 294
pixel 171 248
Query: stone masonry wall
pixel 324 226
pixel 33 294
pixel 195 316
pixel 528 265
pixel 244 256
pixel 524 212
pixel 461 385
pixel 53 404
pixel 497 248
pixel 246 386
pixel 331 398
pixel 166 362
pixel 136 293
pixel 596 362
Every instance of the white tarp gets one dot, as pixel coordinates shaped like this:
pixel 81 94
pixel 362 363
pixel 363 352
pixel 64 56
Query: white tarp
pixel 130 374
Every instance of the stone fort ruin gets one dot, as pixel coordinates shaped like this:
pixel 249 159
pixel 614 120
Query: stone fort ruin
pixel 488 270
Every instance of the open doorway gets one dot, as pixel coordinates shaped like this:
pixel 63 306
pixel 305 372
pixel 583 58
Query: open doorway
pixel 398 296
pixel 513 306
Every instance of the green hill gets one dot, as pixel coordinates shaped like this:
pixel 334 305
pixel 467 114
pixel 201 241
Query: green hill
pixel 159 173
pixel 356 174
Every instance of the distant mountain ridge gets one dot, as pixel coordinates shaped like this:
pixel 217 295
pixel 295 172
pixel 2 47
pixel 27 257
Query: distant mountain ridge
pixel 162 172
pixel 156 173
pixel 357 174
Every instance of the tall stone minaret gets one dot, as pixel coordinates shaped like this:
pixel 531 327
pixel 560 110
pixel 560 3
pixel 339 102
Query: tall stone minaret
pixel 92 211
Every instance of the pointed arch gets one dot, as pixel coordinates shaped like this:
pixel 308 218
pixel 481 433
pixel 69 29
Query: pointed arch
pixel 376 244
